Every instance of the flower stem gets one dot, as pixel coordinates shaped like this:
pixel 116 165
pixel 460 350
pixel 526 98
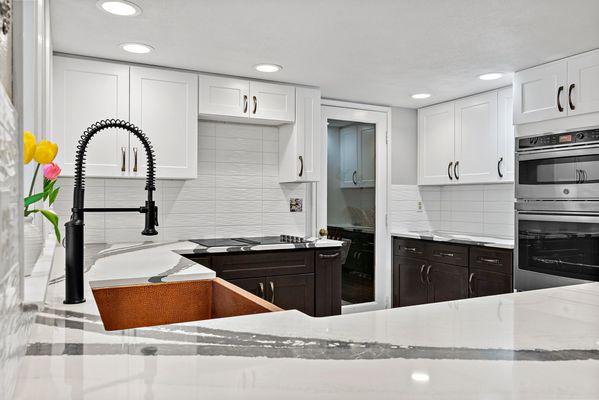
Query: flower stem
pixel 37 168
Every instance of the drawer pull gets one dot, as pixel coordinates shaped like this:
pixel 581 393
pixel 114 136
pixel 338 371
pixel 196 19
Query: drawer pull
pixel 328 256
pixel 413 250
pixel 496 261
pixel 442 254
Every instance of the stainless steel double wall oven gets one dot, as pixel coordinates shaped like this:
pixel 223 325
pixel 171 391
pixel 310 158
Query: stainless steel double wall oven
pixel 557 210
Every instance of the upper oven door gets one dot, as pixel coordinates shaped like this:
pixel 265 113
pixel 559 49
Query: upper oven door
pixel 559 244
pixel 571 173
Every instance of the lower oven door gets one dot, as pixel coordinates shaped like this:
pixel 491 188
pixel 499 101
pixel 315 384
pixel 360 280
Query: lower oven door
pixel 556 249
pixel 561 174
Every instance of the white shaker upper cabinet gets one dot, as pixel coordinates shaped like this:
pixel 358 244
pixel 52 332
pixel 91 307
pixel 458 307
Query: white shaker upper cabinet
pixel 367 156
pixel 540 93
pixel 583 83
pixel 505 135
pixel 271 101
pixel 224 96
pixel 436 144
pixel 164 105
pixel 476 139
pixel 349 156
pixel 85 92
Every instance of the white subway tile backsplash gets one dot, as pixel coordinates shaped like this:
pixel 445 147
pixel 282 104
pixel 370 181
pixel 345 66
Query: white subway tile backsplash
pixel 235 194
pixel 475 209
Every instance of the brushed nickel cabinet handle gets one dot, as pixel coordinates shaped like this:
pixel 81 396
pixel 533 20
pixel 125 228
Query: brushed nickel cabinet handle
pixel 455 170
pixel 470 278
pixel 421 272
pixel 272 291
pixel 428 274
pixel 328 256
pixel 443 254
pixel 245 103
pixel 499 167
pixel 301 159
pixel 261 287
pixel 572 107
pixel 255 104
pixel 123 159
pixel 449 171
pixel 489 260
pixel 559 104
pixel 135 159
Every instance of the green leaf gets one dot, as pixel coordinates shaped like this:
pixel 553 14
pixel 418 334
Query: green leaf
pixel 33 198
pixel 53 218
pixel 53 195
pixel 48 186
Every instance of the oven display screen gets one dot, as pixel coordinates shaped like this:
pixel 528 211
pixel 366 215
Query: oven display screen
pixel 565 139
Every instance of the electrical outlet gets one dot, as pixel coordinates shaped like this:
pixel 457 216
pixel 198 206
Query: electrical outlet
pixel 419 206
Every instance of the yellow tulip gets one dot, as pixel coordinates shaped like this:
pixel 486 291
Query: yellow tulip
pixel 45 151
pixel 28 147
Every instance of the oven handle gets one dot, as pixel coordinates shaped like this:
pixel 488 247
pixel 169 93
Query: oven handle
pixel 562 217
pixel 549 261
pixel 553 153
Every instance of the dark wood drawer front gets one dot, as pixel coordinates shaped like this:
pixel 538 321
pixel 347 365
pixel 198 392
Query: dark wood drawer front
pixel 409 248
pixel 448 254
pixel 249 265
pixel 494 260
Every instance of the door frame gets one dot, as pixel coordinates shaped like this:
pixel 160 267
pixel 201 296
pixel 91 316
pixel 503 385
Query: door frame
pixel 381 118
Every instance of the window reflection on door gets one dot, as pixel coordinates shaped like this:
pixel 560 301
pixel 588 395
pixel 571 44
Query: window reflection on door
pixel 351 204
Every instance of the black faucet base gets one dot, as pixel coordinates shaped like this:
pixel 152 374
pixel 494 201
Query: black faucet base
pixel 78 301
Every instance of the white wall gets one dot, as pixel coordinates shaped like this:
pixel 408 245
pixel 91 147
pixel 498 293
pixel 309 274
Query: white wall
pixel 236 193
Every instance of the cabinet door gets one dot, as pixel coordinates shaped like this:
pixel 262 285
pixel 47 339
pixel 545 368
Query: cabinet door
pixel 447 282
pixel 348 155
pixel 367 151
pixel 327 283
pixel 255 286
pixel 537 93
pixel 505 136
pixel 291 292
pixel 273 102
pixel 409 285
pixel 308 128
pixel 224 96
pixel 435 144
pixel 583 83
pixel 476 139
pixel 163 105
pixel 485 283
pixel 85 92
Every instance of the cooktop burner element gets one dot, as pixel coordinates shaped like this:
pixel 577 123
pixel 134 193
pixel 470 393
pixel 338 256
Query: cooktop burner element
pixel 273 239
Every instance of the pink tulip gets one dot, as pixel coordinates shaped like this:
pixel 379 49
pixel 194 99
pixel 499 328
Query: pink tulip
pixel 51 171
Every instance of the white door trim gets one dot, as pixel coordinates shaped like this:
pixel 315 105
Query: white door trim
pixel 381 117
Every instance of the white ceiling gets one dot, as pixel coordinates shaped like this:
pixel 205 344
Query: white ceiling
pixel 377 51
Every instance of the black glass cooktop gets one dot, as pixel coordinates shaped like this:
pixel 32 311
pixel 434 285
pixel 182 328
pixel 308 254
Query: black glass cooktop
pixel 228 242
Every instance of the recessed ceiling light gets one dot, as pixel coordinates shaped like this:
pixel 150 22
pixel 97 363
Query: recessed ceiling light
pixel 420 377
pixel 420 96
pixel 137 48
pixel 268 67
pixel 491 76
pixel 122 8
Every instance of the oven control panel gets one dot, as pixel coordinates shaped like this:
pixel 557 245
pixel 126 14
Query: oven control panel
pixel 559 139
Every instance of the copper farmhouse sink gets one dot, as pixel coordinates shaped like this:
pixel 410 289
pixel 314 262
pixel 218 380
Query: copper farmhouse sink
pixel 134 306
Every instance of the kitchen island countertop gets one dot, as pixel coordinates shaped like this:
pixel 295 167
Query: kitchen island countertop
pixel 533 345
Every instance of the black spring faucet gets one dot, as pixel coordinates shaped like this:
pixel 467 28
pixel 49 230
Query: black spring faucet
pixel 74 228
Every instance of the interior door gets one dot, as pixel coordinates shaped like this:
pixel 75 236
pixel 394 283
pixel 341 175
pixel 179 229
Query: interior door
pixel 85 92
pixel 348 139
pixel 224 96
pixel 583 83
pixel 436 144
pixel 539 93
pixel 476 139
pixel 163 105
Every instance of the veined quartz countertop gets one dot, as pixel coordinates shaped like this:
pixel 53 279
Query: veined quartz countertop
pixel 460 238
pixel 534 345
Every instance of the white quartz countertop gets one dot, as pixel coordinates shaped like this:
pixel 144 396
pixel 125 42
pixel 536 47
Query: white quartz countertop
pixel 461 238
pixel 534 345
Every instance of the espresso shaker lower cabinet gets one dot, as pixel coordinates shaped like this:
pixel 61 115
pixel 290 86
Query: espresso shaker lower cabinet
pixel 409 285
pixel 485 283
pixel 327 283
pixel 291 292
pixel 446 282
